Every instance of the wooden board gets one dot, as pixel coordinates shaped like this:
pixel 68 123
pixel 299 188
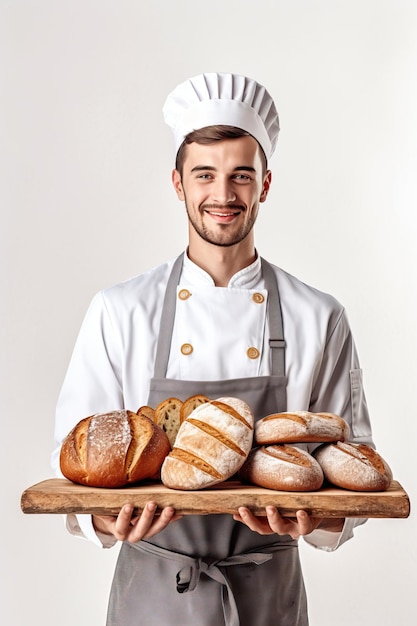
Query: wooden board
pixel 58 495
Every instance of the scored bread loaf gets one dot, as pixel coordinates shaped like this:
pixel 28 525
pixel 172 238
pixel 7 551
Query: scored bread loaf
pixel 282 467
pixel 354 466
pixel 167 416
pixel 212 444
pixel 300 427
pixel 113 449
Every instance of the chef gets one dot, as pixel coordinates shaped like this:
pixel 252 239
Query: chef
pixel 217 320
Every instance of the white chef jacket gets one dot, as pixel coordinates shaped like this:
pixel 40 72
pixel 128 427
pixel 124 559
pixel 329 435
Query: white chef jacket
pixel 219 333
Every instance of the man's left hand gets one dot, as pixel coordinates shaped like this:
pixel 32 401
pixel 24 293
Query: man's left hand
pixel 273 522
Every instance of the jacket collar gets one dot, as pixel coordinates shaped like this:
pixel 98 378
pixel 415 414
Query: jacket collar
pixel 246 278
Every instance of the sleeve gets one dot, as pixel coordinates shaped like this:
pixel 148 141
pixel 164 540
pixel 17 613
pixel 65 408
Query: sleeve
pixel 93 384
pixel 338 383
pixel 338 388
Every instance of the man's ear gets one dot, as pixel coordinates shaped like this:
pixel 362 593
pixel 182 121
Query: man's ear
pixel 266 186
pixel 176 181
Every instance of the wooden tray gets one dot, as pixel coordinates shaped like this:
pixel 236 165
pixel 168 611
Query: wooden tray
pixel 58 495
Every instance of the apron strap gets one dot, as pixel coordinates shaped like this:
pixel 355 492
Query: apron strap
pixel 276 329
pixel 167 320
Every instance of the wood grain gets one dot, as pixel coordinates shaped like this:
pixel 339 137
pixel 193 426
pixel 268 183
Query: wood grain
pixel 58 495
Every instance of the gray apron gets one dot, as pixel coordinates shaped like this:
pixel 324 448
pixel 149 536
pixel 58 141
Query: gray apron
pixel 210 570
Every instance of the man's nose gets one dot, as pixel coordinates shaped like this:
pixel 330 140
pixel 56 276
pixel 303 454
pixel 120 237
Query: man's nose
pixel 222 192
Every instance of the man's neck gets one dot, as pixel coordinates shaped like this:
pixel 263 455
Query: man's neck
pixel 222 262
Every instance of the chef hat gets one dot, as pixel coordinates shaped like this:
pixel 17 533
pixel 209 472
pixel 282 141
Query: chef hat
pixel 226 99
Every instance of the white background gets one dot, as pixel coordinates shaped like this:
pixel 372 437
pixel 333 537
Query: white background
pixel 86 202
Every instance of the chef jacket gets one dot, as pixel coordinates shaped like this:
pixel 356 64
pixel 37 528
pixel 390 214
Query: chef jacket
pixel 219 333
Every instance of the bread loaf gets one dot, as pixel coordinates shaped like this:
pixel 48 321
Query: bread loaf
pixel 212 444
pixel 113 449
pixel 354 466
pixel 300 427
pixel 282 467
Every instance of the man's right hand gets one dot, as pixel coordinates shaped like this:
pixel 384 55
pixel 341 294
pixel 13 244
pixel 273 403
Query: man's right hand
pixel 126 527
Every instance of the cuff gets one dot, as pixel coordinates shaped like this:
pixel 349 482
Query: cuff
pixel 82 526
pixel 330 541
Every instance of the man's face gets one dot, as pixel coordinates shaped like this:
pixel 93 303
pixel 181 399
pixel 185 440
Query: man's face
pixel 222 185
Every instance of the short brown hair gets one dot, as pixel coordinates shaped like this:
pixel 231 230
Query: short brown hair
pixel 209 135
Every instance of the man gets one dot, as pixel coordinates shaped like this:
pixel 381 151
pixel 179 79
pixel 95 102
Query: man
pixel 245 329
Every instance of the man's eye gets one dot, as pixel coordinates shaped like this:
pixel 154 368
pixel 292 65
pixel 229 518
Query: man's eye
pixel 242 177
pixel 204 176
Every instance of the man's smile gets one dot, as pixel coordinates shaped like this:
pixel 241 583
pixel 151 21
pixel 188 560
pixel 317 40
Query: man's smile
pixel 226 214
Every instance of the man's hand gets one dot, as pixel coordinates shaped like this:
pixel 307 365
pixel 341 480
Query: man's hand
pixel 302 524
pixel 125 527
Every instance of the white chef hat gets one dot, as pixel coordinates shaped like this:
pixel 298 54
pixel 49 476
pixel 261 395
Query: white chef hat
pixel 226 99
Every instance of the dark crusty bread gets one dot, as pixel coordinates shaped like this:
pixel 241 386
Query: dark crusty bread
pixel 113 449
pixel 212 444
pixel 300 427
pixel 282 467
pixel 354 466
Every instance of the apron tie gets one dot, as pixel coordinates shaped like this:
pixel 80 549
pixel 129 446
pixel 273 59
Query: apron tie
pixel 188 576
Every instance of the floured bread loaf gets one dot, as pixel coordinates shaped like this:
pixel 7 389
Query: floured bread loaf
pixel 354 466
pixel 113 449
pixel 300 427
pixel 282 467
pixel 212 444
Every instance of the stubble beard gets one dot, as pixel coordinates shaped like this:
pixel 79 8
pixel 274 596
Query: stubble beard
pixel 227 236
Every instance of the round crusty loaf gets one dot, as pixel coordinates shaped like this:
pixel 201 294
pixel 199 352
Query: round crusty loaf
pixel 354 466
pixel 282 467
pixel 300 427
pixel 212 444
pixel 113 449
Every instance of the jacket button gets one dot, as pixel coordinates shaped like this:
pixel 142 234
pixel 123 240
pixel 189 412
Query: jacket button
pixel 253 353
pixel 184 294
pixel 186 349
pixel 258 298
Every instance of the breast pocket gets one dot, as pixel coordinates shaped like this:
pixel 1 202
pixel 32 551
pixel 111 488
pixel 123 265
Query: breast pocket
pixel 361 425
